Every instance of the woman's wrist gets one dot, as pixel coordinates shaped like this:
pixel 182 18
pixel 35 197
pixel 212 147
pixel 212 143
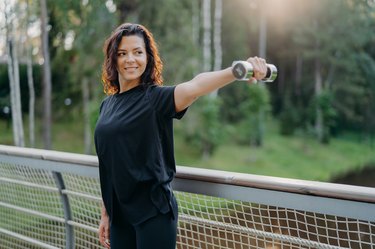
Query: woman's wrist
pixel 104 211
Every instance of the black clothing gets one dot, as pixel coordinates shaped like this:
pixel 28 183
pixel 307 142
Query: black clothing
pixel 158 232
pixel 134 144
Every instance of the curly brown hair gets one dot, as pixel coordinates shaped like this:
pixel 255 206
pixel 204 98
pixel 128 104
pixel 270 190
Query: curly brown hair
pixel 153 72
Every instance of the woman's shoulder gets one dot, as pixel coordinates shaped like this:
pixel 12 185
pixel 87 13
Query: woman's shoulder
pixel 106 99
pixel 159 88
pixel 156 91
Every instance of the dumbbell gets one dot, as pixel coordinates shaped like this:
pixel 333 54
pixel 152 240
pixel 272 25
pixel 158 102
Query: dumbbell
pixel 243 70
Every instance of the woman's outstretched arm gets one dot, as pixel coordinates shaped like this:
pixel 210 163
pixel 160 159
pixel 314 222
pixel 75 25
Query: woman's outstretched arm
pixel 186 93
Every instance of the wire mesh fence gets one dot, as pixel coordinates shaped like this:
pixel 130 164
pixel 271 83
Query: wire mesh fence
pixel 33 215
pixel 207 222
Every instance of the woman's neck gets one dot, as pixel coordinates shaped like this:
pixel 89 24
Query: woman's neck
pixel 126 86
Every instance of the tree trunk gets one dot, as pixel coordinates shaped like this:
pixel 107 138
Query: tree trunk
pixel 297 90
pixel 86 115
pixel 195 22
pixel 206 64
pixel 195 29
pixel 30 82
pixel 17 95
pixel 14 83
pixel 319 122
pixel 47 85
pixel 319 125
pixel 262 33
pixel 217 39
pixel 331 74
pixel 262 53
pixel 12 93
pixel 206 35
pixel 217 34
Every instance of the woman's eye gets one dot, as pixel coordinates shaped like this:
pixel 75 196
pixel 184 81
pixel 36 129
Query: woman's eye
pixel 120 54
pixel 139 52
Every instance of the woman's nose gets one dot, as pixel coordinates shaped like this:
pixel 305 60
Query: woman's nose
pixel 129 57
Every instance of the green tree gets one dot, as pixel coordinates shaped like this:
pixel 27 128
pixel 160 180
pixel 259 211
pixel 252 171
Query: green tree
pixel 256 107
pixel 328 41
pixel 83 29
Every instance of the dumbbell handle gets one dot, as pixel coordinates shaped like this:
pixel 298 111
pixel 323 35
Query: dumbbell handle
pixel 243 70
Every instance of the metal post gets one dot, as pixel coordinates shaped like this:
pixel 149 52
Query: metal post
pixel 67 211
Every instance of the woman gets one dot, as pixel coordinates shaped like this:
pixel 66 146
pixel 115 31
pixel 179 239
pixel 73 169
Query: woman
pixel 134 139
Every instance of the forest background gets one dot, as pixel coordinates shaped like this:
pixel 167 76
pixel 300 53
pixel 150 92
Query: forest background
pixel 315 122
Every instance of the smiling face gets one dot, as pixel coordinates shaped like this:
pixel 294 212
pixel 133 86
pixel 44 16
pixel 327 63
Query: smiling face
pixel 131 61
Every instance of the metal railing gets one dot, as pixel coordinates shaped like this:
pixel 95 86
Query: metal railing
pixel 51 199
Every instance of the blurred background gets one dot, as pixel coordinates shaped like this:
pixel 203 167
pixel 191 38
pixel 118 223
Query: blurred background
pixel 315 122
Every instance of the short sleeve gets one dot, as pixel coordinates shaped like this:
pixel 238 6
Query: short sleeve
pixel 100 108
pixel 162 99
pixel 102 104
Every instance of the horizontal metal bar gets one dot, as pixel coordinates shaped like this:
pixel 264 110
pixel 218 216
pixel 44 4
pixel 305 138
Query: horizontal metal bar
pixel 88 166
pixel 314 188
pixel 40 164
pixel 29 184
pixel 32 212
pixel 86 196
pixel 49 155
pixel 255 232
pixel 83 226
pixel 27 239
pixel 317 204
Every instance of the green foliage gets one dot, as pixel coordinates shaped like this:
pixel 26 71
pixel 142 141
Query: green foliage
pixel 89 25
pixel 5 90
pixel 204 129
pixel 336 32
pixel 289 119
pixel 324 103
pixel 255 108
pixel 170 22
pixel 233 96
pixel 300 156
pixel 258 99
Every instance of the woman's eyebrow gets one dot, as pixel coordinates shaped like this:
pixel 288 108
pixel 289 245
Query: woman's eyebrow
pixel 123 49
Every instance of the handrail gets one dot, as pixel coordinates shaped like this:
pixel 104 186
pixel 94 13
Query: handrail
pixel 315 188
pixel 214 206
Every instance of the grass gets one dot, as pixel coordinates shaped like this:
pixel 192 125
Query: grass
pixel 66 136
pixel 300 156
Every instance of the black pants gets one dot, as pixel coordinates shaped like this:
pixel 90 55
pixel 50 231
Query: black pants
pixel 158 232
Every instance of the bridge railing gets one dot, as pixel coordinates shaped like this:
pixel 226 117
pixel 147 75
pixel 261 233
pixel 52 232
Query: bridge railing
pixel 51 199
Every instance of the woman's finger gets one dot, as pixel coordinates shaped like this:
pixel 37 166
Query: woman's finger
pixel 263 66
pixel 252 80
pixel 107 243
pixel 107 235
pixel 260 68
pixel 101 235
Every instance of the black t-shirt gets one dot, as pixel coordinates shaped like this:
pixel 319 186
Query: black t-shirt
pixel 134 144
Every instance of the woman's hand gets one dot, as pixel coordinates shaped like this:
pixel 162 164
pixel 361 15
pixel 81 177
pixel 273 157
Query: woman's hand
pixel 104 231
pixel 259 68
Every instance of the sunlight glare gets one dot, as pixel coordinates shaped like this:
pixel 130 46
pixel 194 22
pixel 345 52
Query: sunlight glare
pixel 69 39
pixel 111 6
